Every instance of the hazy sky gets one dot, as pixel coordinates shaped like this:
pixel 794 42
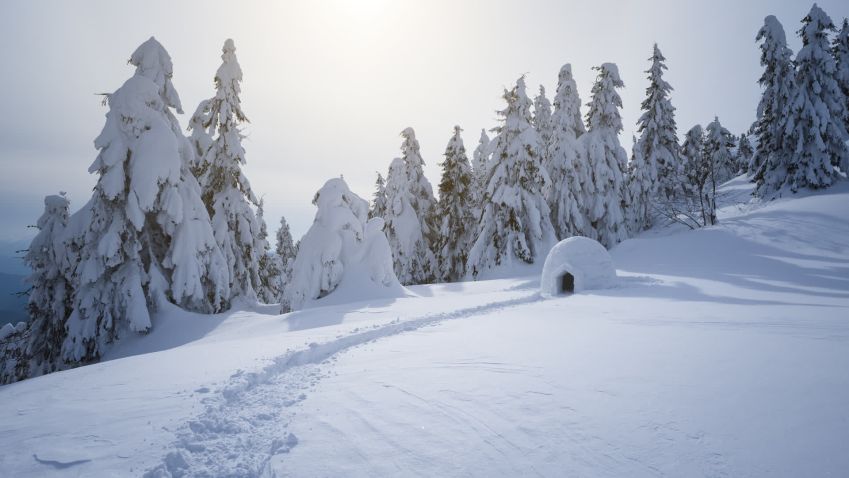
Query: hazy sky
pixel 330 84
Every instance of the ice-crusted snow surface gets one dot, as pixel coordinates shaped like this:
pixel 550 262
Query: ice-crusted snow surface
pixel 588 262
pixel 721 352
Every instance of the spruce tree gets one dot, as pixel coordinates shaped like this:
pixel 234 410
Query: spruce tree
pixel 606 157
pixel 640 189
pixel 378 203
pixel 813 125
pixel 455 211
pixel 717 163
pixel 777 82
pixel 515 225
pixel 658 141
pixel 144 237
pixel 413 261
pixel 410 214
pixel 744 153
pixel 541 120
pixel 202 130
pixel 284 253
pixel 480 170
pixel 567 167
pixel 270 270
pixel 226 190
pixel 37 349
pixel 840 49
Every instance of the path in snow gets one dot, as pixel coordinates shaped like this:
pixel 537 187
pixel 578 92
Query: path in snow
pixel 245 422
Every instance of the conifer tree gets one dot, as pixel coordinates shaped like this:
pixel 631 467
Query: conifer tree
pixel 480 170
pixel 606 157
pixel 567 167
pixel 777 82
pixel 658 141
pixel 744 153
pixel 640 189
pixel 691 153
pixel 413 261
pixel 226 190
pixel 410 214
pixel 455 211
pixel 270 270
pixel 813 125
pixel 541 120
pixel 202 130
pixel 515 225
pixel 840 49
pixel 378 203
pixel 284 253
pixel 144 237
pixel 37 349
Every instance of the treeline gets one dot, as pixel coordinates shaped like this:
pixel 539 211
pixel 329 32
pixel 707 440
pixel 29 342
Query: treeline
pixel 173 219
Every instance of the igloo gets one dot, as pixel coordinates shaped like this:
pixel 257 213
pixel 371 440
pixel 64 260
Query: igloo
pixel 576 264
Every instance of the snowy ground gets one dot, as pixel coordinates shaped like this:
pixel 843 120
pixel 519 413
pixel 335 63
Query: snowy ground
pixel 722 352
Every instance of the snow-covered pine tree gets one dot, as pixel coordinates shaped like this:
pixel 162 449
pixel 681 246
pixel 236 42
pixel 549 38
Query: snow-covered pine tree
pixel 480 170
pixel 202 130
pixel 717 163
pixel 777 82
pixel 541 120
pixel 270 270
pixel 284 253
pixel 813 125
pixel 413 261
pixel 691 153
pixel 455 211
pixel 144 237
pixel 658 141
pixel 515 225
pixel 640 189
pixel 606 157
pixel 378 203
pixel 421 191
pixel 744 153
pixel 409 217
pixel 568 170
pixel 37 350
pixel 226 190
pixel 840 49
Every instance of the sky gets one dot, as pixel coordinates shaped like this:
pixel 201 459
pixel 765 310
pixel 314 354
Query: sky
pixel 329 85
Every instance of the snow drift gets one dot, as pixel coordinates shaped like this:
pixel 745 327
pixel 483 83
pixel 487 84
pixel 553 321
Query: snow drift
pixel 586 260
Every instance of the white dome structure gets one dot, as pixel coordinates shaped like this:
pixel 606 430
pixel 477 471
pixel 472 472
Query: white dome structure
pixel 576 264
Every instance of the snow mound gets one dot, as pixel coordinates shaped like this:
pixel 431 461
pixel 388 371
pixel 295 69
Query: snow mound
pixel 586 260
pixel 344 254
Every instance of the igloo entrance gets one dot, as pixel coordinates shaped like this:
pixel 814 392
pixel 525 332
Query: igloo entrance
pixel 567 283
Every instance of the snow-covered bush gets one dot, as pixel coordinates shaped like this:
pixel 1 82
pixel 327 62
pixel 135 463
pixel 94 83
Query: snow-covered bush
pixel 576 264
pixel 343 253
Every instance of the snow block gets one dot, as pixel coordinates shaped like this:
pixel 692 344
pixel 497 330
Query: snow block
pixel 576 264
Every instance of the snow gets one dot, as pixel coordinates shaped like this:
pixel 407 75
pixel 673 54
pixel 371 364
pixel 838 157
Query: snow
pixel 588 262
pixel 719 352
pixel 344 255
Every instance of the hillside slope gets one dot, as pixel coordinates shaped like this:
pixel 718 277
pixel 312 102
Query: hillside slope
pixel 721 352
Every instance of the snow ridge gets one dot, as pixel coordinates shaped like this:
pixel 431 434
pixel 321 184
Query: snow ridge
pixel 246 424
